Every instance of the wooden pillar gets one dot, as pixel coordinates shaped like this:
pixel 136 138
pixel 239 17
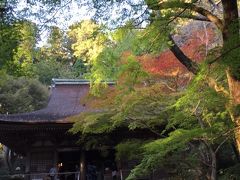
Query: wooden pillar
pixel 55 157
pixel 83 165
pixel 27 167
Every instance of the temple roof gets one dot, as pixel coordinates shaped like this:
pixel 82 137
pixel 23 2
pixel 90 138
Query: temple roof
pixel 64 102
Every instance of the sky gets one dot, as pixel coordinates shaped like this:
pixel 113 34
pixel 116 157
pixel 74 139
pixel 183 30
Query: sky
pixel 63 16
pixel 67 14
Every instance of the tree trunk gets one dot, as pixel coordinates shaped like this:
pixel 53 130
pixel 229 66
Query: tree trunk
pixel 230 15
pixel 210 159
pixel 230 33
pixel 234 88
pixel 231 38
pixel 213 165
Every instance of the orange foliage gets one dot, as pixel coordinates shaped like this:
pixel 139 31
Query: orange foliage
pixel 104 100
pixel 166 64
pixel 164 67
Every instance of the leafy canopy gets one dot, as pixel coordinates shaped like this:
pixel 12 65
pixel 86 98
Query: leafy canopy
pixel 18 95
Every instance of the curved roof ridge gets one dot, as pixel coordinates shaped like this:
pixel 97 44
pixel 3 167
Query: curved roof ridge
pixel 64 101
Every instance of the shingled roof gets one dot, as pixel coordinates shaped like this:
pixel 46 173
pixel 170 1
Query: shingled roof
pixel 64 102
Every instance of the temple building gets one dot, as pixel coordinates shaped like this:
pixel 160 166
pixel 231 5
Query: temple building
pixel 38 141
pixel 41 137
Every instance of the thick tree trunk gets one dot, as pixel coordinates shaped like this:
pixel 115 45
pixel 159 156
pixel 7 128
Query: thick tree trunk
pixel 234 88
pixel 230 15
pixel 231 38
pixel 230 33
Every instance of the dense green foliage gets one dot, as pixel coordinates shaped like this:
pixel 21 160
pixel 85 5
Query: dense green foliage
pixel 23 61
pixel 45 70
pixel 194 126
pixel 9 41
pixel 21 94
pixel 196 121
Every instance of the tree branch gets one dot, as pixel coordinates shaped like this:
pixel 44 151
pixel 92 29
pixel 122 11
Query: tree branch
pixel 178 15
pixel 224 54
pixel 198 18
pixel 220 145
pixel 187 62
pixel 170 5
pixel 218 88
pixel 148 127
